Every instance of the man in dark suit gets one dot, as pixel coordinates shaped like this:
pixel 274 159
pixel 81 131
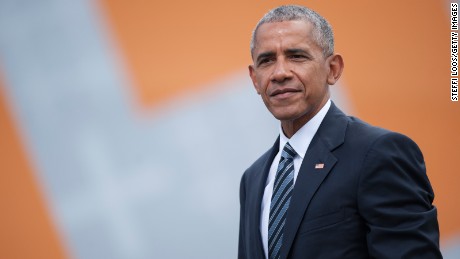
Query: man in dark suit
pixel 331 186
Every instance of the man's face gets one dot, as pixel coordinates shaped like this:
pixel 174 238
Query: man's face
pixel 290 71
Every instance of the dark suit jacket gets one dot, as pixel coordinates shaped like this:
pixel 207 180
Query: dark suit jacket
pixel 372 199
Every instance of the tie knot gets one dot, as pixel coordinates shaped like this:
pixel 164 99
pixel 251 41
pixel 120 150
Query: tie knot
pixel 288 152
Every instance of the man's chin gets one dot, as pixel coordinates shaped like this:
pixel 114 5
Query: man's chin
pixel 285 116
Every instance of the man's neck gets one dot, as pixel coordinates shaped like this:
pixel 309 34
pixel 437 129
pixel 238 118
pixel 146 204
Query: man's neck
pixel 290 127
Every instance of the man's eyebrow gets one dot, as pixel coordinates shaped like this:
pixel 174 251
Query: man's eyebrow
pixel 296 51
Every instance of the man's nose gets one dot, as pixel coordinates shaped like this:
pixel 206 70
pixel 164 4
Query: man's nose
pixel 281 71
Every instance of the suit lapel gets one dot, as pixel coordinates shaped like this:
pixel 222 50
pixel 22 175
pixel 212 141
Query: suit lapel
pixel 261 180
pixel 329 136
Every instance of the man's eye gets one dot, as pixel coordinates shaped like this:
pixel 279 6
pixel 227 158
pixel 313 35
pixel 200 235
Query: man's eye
pixel 298 57
pixel 265 61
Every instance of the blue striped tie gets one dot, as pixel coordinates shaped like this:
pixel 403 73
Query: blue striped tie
pixel 282 191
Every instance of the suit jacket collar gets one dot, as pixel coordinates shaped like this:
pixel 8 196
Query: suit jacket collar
pixel 329 136
pixel 260 181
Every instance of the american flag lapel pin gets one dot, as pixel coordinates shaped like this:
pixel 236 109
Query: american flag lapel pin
pixel 319 166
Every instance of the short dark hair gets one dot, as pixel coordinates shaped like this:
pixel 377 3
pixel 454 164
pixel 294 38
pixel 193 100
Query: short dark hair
pixel 322 32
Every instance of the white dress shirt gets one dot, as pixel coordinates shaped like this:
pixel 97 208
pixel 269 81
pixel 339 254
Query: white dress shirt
pixel 299 142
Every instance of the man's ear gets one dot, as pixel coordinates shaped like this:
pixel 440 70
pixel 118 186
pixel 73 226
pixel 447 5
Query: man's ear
pixel 252 73
pixel 336 65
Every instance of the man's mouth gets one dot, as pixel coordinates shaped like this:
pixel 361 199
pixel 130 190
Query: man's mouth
pixel 284 93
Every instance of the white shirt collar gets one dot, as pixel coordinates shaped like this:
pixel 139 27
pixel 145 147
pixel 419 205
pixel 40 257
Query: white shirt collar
pixel 302 138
